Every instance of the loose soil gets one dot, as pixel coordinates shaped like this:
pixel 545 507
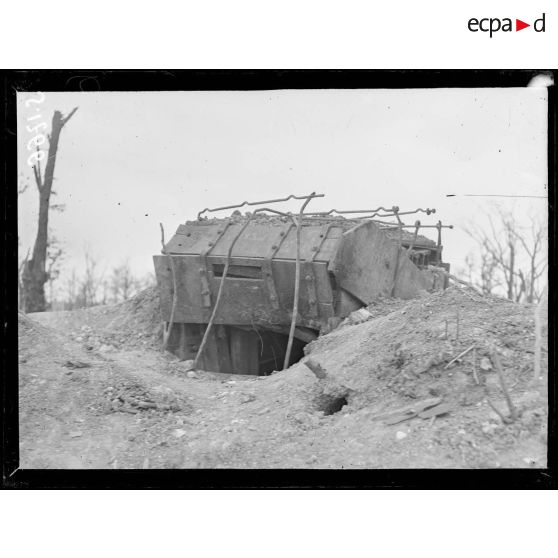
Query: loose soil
pixel 97 392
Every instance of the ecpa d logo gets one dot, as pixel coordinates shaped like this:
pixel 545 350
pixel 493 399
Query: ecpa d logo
pixel 492 25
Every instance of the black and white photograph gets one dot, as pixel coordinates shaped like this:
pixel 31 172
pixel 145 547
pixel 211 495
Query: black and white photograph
pixel 283 279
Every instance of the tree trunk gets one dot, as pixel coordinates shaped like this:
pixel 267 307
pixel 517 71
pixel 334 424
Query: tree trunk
pixel 34 273
pixel 511 280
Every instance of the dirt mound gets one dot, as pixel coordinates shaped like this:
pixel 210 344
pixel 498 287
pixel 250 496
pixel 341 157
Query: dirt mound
pixel 133 323
pixel 391 391
pixel 404 350
pixel 138 318
pixel 35 338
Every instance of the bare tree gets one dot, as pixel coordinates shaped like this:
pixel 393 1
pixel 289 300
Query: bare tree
pixel 533 244
pixel 70 302
pixel 91 287
pixel 54 258
pixel 91 282
pixel 510 258
pixel 122 282
pixel 34 274
pixel 20 269
pixel 22 186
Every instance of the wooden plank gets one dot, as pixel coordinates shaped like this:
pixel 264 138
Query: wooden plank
pixel 435 411
pixel 244 346
pixel 209 359
pixel 223 348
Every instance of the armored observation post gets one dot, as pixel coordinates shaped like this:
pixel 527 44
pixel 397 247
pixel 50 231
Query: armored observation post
pixel 239 274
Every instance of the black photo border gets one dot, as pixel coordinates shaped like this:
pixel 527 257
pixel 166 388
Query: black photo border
pixel 240 80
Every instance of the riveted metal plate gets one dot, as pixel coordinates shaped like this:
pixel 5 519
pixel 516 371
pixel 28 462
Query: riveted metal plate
pixel 310 281
pixel 267 268
pixel 204 282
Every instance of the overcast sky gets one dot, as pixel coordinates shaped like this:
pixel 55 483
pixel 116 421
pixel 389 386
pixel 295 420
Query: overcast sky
pixel 128 161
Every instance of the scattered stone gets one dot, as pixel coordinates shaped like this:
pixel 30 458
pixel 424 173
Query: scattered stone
pixel 178 433
pixel 247 398
pixel 75 434
pixel 73 364
pixel 128 409
pixel 359 316
pixel 316 368
pixel 400 435
pixel 187 364
pixel 529 460
pixel 146 405
pixel 191 374
pixel 489 427
pixel 485 364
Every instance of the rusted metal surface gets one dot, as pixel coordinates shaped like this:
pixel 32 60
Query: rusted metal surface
pixel 364 263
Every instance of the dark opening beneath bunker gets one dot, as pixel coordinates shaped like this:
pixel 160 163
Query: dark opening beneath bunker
pixel 235 349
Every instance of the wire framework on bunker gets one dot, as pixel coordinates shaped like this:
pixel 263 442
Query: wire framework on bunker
pixel 244 294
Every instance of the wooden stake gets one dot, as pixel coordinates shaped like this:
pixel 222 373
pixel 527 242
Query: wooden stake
pixel 458 356
pixel 168 328
pixel 475 375
pixel 498 365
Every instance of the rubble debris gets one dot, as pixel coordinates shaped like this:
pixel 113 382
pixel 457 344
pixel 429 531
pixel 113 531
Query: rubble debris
pixel 316 368
pixel 410 411
pixel 76 364
pixel 436 411
pixel 460 355
pixel 358 316
pixel 485 364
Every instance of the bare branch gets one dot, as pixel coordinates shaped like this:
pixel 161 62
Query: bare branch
pixel 23 188
pixel 64 120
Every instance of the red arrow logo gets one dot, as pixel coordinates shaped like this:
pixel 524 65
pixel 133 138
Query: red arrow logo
pixel 519 25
